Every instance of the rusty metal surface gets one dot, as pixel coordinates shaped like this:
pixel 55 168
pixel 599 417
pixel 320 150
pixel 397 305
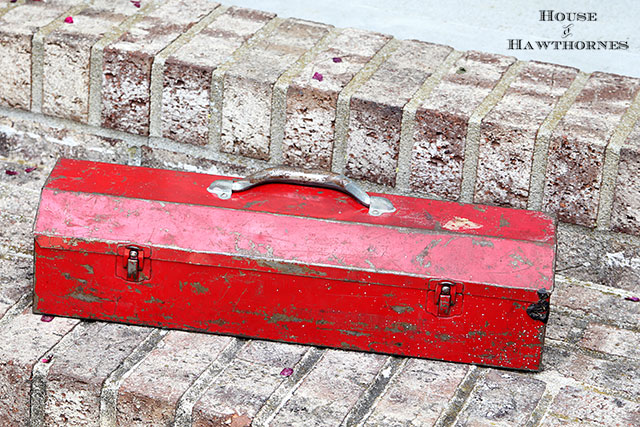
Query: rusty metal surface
pixel 299 264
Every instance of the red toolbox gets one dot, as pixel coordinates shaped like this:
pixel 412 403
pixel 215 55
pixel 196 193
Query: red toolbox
pixel 321 263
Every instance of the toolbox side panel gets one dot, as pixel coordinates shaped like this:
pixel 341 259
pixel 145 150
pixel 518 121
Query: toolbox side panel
pixel 299 309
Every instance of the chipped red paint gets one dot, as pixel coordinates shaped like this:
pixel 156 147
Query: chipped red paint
pixel 293 263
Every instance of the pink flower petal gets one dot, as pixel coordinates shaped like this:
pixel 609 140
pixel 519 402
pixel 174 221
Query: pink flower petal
pixel 30 169
pixel 46 318
pixel 286 372
pixel 10 172
pixel 13 1
pixel 634 299
pixel 317 76
pixel 68 20
pixel 337 59
pixel 47 358
pixel 136 3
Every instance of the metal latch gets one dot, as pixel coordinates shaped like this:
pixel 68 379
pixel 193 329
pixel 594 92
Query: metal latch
pixel 133 263
pixel 444 298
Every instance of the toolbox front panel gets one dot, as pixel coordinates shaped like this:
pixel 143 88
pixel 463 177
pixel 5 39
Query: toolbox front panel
pixel 300 309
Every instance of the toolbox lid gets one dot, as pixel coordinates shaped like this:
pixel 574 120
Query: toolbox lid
pixel 295 225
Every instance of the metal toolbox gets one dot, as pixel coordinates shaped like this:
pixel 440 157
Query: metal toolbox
pixel 317 262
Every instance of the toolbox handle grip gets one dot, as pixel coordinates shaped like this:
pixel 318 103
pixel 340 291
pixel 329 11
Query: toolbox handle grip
pixel 223 188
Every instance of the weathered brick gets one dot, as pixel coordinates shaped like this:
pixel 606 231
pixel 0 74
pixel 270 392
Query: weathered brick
pixel 594 305
pixel 186 105
pixel 150 394
pixel 418 394
pixel 625 215
pixel 67 52
pixel 608 373
pixel 311 104
pixel 610 259
pixel 502 397
pixel 607 339
pixel 441 122
pixel 508 133
pixel 41 143
pixel 16 233
pixel 578 406
pixel 17 27
pixel 577 147
pixel 16 279
pixel 126 77
pixel 563 327
pixel 375 117
pixel 77 374
pixel 166 158
pixel 247 383
pixel 248 87
pixel 24 340
pixel 331 389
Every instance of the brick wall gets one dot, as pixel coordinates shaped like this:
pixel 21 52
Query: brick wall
pixel 214 88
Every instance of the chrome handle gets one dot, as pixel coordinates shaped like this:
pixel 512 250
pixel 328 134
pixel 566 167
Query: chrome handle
pixel 223 188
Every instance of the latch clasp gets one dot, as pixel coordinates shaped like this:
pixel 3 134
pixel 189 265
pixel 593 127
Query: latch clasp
pixel 444 298
pixel 133 263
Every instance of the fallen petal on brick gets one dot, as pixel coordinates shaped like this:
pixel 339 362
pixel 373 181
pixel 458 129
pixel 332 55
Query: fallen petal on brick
pixel 634 299
pixel 30 169
pixel 46 318
pixel 47 358
pixel 135 3
pixel 68 20
pixel 337 59
pixel 10 172
pixel 286 372
pixel 317 76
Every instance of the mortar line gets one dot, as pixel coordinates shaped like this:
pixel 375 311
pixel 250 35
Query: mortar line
pixel 472 143
pixel 285 390
pixel 109 394
pixel 341 124
pixel 623 293
pixel 279 95
pixel 40 372
pixel 184 408
pixel 543 138
pixel 96 60
pixel 409 115
pixel 363 408
pixel 16 309
pixel 612 163
pixel 216 95
pixel 37 55
pixel 460 397
pixel 158 68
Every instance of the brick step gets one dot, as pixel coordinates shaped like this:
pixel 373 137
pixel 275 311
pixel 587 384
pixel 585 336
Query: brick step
pixel 201 86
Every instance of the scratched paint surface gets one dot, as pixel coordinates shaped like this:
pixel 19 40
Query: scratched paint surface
pixel 300 240
pixel 190 188
pixel 263 268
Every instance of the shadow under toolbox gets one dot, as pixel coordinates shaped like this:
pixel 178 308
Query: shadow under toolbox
pixel 296 263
